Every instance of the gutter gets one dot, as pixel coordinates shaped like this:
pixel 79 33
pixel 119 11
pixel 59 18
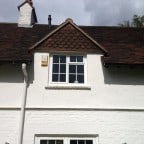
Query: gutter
pixel 22 115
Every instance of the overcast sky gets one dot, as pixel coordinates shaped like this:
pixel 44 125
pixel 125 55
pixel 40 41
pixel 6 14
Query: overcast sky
pixel 83 12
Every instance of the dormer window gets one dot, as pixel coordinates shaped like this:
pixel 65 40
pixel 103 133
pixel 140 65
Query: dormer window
pixel 67 69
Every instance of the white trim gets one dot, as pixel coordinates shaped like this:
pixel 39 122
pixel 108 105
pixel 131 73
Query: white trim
pixel 73 87
pixel 123 109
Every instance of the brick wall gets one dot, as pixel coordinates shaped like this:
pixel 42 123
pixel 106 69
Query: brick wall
pixel 9 126
pixel 113 127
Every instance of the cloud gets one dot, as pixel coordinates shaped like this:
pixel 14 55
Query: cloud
pixel 83 12
pixel 62 9
pixel 8 10
pixel 112 12
pixel 59 9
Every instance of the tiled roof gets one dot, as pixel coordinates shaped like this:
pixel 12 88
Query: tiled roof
pixel 15 41
pixel 68 37
pixel 124 45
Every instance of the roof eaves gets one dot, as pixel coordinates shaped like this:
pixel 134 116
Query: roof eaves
pixel 108 63
pixel 15 61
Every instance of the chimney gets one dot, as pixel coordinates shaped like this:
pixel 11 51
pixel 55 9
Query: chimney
pixel 49 20
pixel 27 15
pixel 30 2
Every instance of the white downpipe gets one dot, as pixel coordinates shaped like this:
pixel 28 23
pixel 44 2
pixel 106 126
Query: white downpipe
pixel 22 115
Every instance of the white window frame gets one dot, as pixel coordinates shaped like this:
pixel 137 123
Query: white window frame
pixel 66 139
pixel 67 70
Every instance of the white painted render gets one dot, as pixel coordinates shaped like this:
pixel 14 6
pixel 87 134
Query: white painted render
pixel 11 85
pixel 107 87
pixel 110 104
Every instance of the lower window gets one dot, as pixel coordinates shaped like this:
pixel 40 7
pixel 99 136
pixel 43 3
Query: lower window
pixel 75 141
pixel 66 140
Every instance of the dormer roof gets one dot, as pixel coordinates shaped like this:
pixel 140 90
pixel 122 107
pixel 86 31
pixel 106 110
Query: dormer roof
pixel 66 36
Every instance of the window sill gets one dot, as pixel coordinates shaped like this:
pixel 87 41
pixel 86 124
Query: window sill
pixel 69 87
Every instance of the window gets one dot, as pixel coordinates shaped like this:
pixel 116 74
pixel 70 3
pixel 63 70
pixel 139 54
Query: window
pixel 67 140
pixel 45 141
pixel 68 69
pixel 74 141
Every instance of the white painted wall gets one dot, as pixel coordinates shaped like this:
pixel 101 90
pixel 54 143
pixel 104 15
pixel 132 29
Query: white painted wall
pixel 9 126
pixel 11 85
pixel 111 88
pixel 114 127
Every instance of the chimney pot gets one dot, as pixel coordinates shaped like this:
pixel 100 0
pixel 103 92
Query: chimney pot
pixel 30 2
pixel 49 20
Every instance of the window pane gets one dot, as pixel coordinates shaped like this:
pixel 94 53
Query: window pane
pixel 72 78
pixel 79 58
pixel 55 68
pixel 43 141
pixel 62 68
pixel 89 142
pixel 80 78
pixel 81 142
pixel 59 141
pixel 62 59
pixel 72 58
pixel 73 141
pixel 80 69
pixel 55 77
pixel 62 77
pixel 51 142
pixel 72 69
pixel 55 59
